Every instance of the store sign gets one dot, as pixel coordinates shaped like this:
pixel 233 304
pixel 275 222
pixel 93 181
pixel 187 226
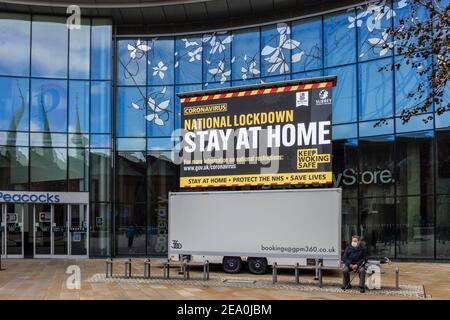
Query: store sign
pixel 44 197
pixel 264 136
pixel 350 177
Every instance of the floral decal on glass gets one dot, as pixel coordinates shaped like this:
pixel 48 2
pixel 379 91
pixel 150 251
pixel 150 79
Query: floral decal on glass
pixel 217 62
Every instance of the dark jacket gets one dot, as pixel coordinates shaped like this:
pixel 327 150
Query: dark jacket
pixel 356 255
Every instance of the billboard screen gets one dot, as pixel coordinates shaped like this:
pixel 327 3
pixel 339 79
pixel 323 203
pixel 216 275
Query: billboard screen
pixel 272 134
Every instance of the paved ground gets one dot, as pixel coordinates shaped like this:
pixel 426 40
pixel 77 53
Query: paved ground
pixel 46 279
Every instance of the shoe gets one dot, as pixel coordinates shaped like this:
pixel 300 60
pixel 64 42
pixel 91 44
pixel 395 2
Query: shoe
pixel 362 290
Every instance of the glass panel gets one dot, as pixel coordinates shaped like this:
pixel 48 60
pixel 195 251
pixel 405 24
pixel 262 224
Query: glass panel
pixel 78 170
pixel 130 144
pixel 78 230
pixel 443 227
pixel 160 143
pixel 443 120
pixel 160 109
pixel 79 106
pixel 14 228
pixel 443 162
pixel 79 50
pixel 345 131
pixel 403 17
pixel 345 167
pixel 407 80
pixel 277 47
pixel 130 177
pixel 415 123
pixel 48 139
pixel 415 163
pixel 130 231
pixel 179 89
pixel 161 61
pixel 349 221
pixel 42 228
pixel 375 90
pixel 131 109
pixel 132 62
pixel 48 105
pixel 339 38
pixel 376 162
pixel 49 47
pixel 216 85
pixel 100 141
pixel 376 128
pixel 216 57
pixel 79 140
pixel 60 229
pixel 13 138
pixel 246 47
pixel 101 49
pixel 373 20
pixel 188 59
pixel 15 44
pixel 13 168
pixel 100 107
pixel 344 94
pixel 48 169
pixel 378 226
pixel 308 32
pixel 100 228
pixel 309 74
pixel 162 177
pixel 100 174
pixel 14 99
pixel 416 227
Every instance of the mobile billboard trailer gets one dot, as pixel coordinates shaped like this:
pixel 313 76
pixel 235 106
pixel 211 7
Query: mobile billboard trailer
pixel 258 135
pixel 260 227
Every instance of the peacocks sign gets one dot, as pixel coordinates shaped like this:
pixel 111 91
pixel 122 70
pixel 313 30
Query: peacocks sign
pixel 269 134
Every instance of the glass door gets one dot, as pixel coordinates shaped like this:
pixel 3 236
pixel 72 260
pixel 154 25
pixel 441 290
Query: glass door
pixel 60 229
pixel 42 214
pixel 14 229
pixel 78 230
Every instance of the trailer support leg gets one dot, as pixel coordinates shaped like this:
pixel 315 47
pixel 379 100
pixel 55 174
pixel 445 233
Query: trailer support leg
pixel 206 270
pixel 316 277
pixel 320 276
pixel 274 273
pixel 297 280
pixel 397 274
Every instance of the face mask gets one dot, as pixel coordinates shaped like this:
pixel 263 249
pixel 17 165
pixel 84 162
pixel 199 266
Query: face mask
pixel 354 244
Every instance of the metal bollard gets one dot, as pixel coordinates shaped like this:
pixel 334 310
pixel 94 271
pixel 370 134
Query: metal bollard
pixel 297 280
pixel 320 276
pixel 316 276
pixel 206 270
pixel 274 273
pixel 127 265
pixel 109 268
pixel 147 268
pixel 184 269
pixel 397 275
pixel 166 269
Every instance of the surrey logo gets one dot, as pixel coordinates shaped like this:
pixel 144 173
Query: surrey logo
pixel 324 98
pixel 301 98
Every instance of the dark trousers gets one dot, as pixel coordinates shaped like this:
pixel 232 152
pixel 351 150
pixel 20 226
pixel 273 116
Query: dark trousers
pixel 346 276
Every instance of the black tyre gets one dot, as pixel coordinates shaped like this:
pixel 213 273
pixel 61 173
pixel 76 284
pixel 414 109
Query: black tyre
pixel 232 264
pixel 257 265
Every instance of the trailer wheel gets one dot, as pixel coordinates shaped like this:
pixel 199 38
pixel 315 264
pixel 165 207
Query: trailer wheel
pixel 232 264
pixel 257 265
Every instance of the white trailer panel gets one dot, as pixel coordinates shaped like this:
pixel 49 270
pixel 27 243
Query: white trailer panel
pixel 296 223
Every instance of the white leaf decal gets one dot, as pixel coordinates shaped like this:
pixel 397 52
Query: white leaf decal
pixel 297 57
pixel 135 106
pixel 150 117
pixel 163 105
pixel 267 50
pixel 227 39
pixel 374 40
pixel 159 122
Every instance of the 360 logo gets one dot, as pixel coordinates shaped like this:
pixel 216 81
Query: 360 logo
pixel 176 244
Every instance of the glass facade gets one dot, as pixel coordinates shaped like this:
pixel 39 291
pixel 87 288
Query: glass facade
pixel 56 102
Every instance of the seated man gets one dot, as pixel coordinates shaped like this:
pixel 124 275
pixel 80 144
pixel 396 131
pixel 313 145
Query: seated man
pixel 355 257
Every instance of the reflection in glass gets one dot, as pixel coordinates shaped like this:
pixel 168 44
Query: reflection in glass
pixel 375 90
pixel 101 49
pixel 132 62
pixel 308 32
pixel 48 169
pixel 78 170
pixel 377 216
pixel 42 228
pixel 345 167
pixel 79 49
pixel 217 57
pixel 49 47
pixel 131 222
pixel 415 161
pixel 14 168
pixel 48 105
pixel 160 111
pixel 188 59
pixel 246 53
pixel 443 227
pixel 161 61
pixel 79 106
pixel 443 162
pixel 131 111
pixel 130 177
pixel 14 44
pixel 60 229
pixel 339 37
pixel 415 225
pixel 100 176
pixel 14 98
pixel 100 107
